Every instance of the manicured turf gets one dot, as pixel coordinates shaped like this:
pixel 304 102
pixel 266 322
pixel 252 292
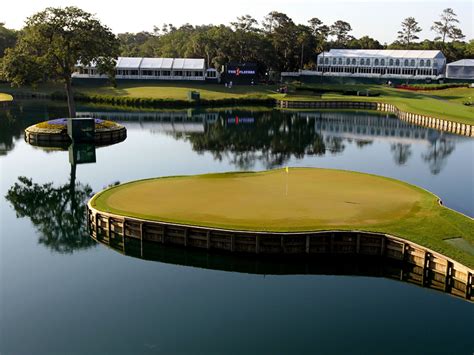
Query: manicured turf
pixel 5 97
pixel 444 104
pixel 179 91
pixel 302 200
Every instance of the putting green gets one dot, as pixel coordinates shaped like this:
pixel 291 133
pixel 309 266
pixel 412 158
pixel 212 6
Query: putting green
pixel 304 199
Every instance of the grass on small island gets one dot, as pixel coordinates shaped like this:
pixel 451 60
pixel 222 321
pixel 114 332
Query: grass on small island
pixel 5 97
pixel 59 125
pixel 305 199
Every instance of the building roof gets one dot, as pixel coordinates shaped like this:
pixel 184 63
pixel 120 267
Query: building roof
pixel 158 63
pixel 128 63
pixel 188 63
pixel 463 63
pixel 391 53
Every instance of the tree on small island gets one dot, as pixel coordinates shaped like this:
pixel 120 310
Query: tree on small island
pixel 53 42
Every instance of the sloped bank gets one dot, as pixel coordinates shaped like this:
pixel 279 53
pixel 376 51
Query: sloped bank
pixel 418 119
pixel 398 225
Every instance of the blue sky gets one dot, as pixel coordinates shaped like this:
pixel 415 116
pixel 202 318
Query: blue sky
pixel 379 19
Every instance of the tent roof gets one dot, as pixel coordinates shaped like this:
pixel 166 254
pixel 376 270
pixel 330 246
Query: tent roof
pixel 158 63
pixel 390 53
pixel 128 63
pixel 463 63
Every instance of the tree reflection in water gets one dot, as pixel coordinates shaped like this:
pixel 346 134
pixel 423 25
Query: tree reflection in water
pixel 401 153
pixel 437 154
pixel 272 139
pixel 58 213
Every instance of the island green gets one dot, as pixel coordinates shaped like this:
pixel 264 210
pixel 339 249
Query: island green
pixel 304 199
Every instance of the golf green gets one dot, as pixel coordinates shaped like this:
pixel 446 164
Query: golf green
pixel 302 199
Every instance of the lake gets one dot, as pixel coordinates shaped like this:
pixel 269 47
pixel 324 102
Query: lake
pixel 63 292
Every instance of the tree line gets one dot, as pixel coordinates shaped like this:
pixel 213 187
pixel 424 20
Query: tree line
pixel 277 42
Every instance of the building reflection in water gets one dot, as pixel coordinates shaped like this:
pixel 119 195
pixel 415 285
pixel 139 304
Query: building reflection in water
pixel 272 137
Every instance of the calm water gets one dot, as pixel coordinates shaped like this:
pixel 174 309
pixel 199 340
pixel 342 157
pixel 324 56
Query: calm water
pixel 61 292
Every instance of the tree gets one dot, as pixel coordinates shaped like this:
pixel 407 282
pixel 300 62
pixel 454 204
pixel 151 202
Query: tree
pixel 446 27
pixel 340 29
pixel 54 41
pixel 245 23
pixel 7 38
pixel 364 42
pixel 409 30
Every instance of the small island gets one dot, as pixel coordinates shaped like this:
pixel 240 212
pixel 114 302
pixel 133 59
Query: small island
pixel 54 133
pixel 297 201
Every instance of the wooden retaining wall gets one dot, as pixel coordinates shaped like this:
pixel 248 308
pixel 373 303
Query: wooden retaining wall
pixel 102 137
pixel 436 270
pixel 421 120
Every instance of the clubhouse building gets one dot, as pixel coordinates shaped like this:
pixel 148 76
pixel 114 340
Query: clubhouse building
pixel 189 69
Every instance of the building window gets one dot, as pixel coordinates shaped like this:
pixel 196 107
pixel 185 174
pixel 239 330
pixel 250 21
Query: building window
pixel 391 62
pixel 412 63
pixel 340 61
pixel 367 61
pixel 165 73
pixel 422 63
pixel 348 61
pixel 405 63
pixel 376 62
pixel 326 61
pixel 382 61
pixel 428 63
pixel 353 61
pixel 321 60
pixel 333 60
pixel 397 62
pixel 178 73
pixel 362 62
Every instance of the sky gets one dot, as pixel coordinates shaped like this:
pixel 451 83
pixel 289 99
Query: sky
pixel 379 19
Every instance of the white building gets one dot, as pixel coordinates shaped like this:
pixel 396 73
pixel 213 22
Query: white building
pixel 379 64
pixel 462 69
pixel 152 68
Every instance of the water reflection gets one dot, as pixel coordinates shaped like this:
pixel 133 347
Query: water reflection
pixel 272 137
pixel 57 212
pixel 347 265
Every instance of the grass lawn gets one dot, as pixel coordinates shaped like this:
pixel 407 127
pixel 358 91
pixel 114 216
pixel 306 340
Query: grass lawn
pixel 444 104
pixel 305 199
pixel 179 91
pixel 5 97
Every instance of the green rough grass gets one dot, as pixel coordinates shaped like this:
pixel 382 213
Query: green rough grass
pixel 5 97
pixel 444 104
pixel 316 199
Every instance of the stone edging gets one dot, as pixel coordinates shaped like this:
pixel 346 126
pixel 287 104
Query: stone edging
pixel 421 120
pixel 440 271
